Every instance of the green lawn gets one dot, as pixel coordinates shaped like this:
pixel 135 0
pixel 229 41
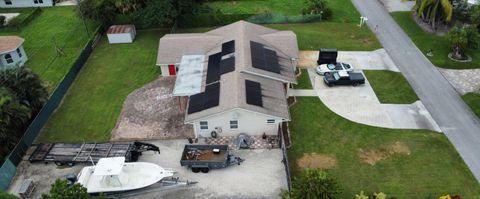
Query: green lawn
pixel 342 9
pixel 94 102
pixel 440 45
pixel 303 81
pixel 473 100
pixel 343 36
pixel 432 167
pixel 391 87
pixel 54 26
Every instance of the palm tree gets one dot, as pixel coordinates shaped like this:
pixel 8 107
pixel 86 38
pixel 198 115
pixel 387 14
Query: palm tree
pixel 26 86
pixel 431 10
pixel 13 119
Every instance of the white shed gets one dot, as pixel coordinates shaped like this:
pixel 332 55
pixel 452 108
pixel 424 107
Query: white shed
pixel 121 34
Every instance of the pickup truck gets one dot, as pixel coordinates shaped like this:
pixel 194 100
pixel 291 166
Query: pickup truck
pixel 205 157
pixel 344 78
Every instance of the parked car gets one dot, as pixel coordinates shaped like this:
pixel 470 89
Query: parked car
pixel 323 69
pixel 344 78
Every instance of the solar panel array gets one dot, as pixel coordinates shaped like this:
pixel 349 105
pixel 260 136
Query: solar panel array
pixel 218 66
pixel 208 99
pixel 254 93
pixel 263 58
pixel 228 47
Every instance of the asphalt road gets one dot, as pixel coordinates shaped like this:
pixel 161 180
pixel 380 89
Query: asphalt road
pixel 454 117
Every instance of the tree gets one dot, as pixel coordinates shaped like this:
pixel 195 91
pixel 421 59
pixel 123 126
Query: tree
pixel 458 40
pixel 13 119
pixel 26 86
pixel 165 12
pixel 314 184
pixel 5 195
pixel 62 190
pixel 434 11
pixel 98 10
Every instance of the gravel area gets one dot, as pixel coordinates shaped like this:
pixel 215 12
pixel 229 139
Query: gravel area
pixel 262 175
pixel 151 112
pixel 464 81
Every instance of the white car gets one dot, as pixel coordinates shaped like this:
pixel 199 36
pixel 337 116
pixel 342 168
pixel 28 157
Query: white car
pixel 330 68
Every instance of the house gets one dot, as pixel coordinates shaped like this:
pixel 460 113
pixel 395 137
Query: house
pixel 25 3
pixel 233 79
pixel 121 34
pixel 11 52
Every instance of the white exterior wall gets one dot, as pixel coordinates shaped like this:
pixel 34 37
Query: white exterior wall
pixel 165 71
pixel 249 122
pixel 122 38
pixel 25 3
pixel 17 60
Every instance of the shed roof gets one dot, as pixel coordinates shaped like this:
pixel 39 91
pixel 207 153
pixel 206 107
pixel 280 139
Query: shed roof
pixel 10 43
pixel 118 29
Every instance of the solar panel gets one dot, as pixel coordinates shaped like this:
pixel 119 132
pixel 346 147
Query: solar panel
pixel 208 99
pixel 253 93
pixel 263 58
pixel 228 47
pixel 213 71
pixel 211 96
pixel 227 65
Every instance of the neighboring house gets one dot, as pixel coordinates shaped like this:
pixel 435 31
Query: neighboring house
pixel 12 53
pixel 25 3
pixel 233 79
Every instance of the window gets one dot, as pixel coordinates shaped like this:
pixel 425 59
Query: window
pixel 9 58
pixel 233 124
pixel 8 2
pixel 19 52
pixel 203 125
pixel 270 121
pixel 37 1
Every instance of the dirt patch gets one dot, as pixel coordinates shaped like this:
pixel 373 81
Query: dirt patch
pixel 372 156
pixel 151 112
pixel 307 59
pixel 317 161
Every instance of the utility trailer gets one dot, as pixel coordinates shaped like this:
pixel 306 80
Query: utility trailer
pixel 70 154
pixel 205 157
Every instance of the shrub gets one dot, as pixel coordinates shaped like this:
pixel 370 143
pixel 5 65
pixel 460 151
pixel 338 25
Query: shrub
pixel 317 7
pixel 314 183
pixel 3 21
pixel 361 195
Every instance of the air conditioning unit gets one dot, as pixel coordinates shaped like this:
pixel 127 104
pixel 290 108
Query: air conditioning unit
pixel 215 132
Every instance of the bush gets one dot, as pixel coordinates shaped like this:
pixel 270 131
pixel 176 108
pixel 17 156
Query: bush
pixel 317 7
pixel 5 195
pixel 3 21
pixel 23 19
pixel 314 183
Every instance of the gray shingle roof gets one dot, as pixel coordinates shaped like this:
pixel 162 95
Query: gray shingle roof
pixel 232 85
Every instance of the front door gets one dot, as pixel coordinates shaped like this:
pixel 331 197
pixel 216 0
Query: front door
pixel 171 69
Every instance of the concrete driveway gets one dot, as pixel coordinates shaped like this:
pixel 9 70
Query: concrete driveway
pixel 261 175
pixel 360 104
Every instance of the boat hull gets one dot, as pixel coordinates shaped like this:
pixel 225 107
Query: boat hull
pixel 135 175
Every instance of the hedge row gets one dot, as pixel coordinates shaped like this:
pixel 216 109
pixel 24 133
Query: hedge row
pixel 189 21
pixel 24 19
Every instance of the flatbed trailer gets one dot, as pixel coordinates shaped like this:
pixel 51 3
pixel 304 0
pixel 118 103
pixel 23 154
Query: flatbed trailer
pixel 70 154
pixel 205 157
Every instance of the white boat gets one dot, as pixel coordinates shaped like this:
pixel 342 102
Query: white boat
pixel 114 175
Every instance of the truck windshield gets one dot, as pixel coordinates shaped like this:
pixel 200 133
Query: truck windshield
pixel 336 76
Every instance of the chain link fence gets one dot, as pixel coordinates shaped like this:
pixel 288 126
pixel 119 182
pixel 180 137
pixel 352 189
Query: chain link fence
pixel 269 18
